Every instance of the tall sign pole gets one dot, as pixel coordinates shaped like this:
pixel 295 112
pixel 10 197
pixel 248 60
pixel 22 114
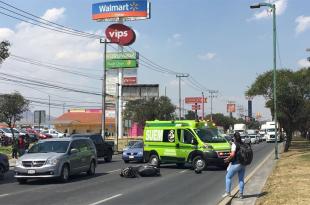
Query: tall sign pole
pixel 104 88
pixel 180 99
pixel 203 107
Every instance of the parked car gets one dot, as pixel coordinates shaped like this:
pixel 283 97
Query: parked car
pixel 57 158
pixel 134 153
pixel 4 165
pixel 53 132
pixel 104 149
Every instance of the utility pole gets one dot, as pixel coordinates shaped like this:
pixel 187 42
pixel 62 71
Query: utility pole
pixel 212 92
pixel 49 112
pixel 203 107
pixel 181 75
pixel 103 89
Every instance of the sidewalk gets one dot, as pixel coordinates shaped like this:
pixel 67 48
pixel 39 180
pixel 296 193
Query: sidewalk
pixel 254 183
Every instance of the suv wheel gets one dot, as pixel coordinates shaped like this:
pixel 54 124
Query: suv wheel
pixel 154 160
pixel 108 158
pixel 199 163
pixel 92 169
pixel 22 181
pixel 65 173
pixel 1 172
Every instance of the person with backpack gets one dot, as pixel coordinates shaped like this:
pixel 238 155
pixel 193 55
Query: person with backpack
pixel 241 155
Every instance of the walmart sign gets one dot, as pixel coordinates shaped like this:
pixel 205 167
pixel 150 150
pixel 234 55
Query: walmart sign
pixel 121 9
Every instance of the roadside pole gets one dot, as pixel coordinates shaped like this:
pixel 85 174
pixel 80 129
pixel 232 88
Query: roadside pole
pixel 103 89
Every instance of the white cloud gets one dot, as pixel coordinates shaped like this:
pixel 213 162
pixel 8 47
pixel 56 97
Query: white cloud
pixel 54 14
pixel 303 23
pixel 303 63
pixel 176 39
pixel 281 6
pixel 6 33
pixel 206 56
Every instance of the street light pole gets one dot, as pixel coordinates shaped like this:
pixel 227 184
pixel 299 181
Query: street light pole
pixel 183 75
pixel 273 7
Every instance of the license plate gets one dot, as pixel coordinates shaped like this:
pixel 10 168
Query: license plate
pixel 31 171
pixel 131 157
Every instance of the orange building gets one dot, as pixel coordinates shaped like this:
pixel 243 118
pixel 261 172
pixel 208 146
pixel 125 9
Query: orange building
pixel 83 121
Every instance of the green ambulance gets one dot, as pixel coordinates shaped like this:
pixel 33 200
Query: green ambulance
pixel 185 141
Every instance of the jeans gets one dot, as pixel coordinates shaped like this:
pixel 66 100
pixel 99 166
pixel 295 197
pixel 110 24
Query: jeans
pixel 235 168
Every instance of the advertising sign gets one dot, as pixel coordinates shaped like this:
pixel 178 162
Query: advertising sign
pixel 120 34
pixel 231 107
pixel 122 55
pixel 196 107
pixel 129 80
pixel 39 116
pixel 110 64
pixel 127 10
pixel 193 100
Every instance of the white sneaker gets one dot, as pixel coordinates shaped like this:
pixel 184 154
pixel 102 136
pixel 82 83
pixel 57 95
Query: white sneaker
pixel 226 194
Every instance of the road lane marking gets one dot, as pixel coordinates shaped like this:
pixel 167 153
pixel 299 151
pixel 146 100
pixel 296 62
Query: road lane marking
pixel 107 199
pixel 2 195
pixel 116 170
pixel 183 171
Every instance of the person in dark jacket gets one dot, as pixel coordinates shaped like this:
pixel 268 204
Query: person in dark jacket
pixel 235 167
pixel 14 148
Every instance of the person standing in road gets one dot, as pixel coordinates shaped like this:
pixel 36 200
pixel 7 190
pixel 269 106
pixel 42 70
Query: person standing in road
pixel 235 166
pixel 14 148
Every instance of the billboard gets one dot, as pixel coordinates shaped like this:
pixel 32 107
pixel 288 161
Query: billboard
pixel 127 10
pixel 131 63
pixel 140 91
pixel 196 107
pixel 120 34
pixel 122 55
pixel 231 107
pixel 193 100
pixel 130 80
pixel 39 116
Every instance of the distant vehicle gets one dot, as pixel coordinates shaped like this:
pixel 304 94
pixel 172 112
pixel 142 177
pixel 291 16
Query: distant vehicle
pixel 246 139
pixel 104 149
pixel 134 153
pixel 53 132
pixel 270 132
pixel 253 136
pixel 262 132
pixel 241 128
pixel 4 165
pixel 57 158
pixel 129 144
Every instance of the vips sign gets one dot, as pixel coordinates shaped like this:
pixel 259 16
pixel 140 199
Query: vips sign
pixel 127 10
pixel 120 34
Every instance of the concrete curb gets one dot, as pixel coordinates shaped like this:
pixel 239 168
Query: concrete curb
pixel 227 200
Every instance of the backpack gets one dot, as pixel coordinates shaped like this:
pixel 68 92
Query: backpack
pixel 244 154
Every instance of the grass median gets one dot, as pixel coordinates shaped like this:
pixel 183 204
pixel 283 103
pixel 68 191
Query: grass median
pixel 289 182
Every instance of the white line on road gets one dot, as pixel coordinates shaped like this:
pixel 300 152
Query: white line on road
pixel 2 195
pixel 116 170
pixel 107 199
pixel 183 171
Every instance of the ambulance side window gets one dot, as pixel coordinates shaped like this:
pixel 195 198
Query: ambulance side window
pixel 188 137
pixel 169 136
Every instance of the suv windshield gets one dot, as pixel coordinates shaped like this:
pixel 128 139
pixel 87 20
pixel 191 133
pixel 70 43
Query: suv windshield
pixel 210 135
pixel 50 146
pixel 137 145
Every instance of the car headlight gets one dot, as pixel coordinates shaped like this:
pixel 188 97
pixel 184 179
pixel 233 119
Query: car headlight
pixel 52 161
pixel 18 163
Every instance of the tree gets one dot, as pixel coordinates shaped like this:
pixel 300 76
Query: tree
pixel 4 50
pixel 142 110
pixel 191 115
pixel 292 98
pixel 12 107
pixel 221 120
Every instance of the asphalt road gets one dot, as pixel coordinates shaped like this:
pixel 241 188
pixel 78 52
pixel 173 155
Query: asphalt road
pixel 174 186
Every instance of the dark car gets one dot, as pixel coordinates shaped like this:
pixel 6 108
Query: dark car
pixel 134 153
pixel 4 165
pixel 104 149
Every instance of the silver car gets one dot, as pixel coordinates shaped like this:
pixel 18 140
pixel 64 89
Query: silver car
pixel 57 158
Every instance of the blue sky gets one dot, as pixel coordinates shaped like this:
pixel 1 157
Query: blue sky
pixel 222 44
